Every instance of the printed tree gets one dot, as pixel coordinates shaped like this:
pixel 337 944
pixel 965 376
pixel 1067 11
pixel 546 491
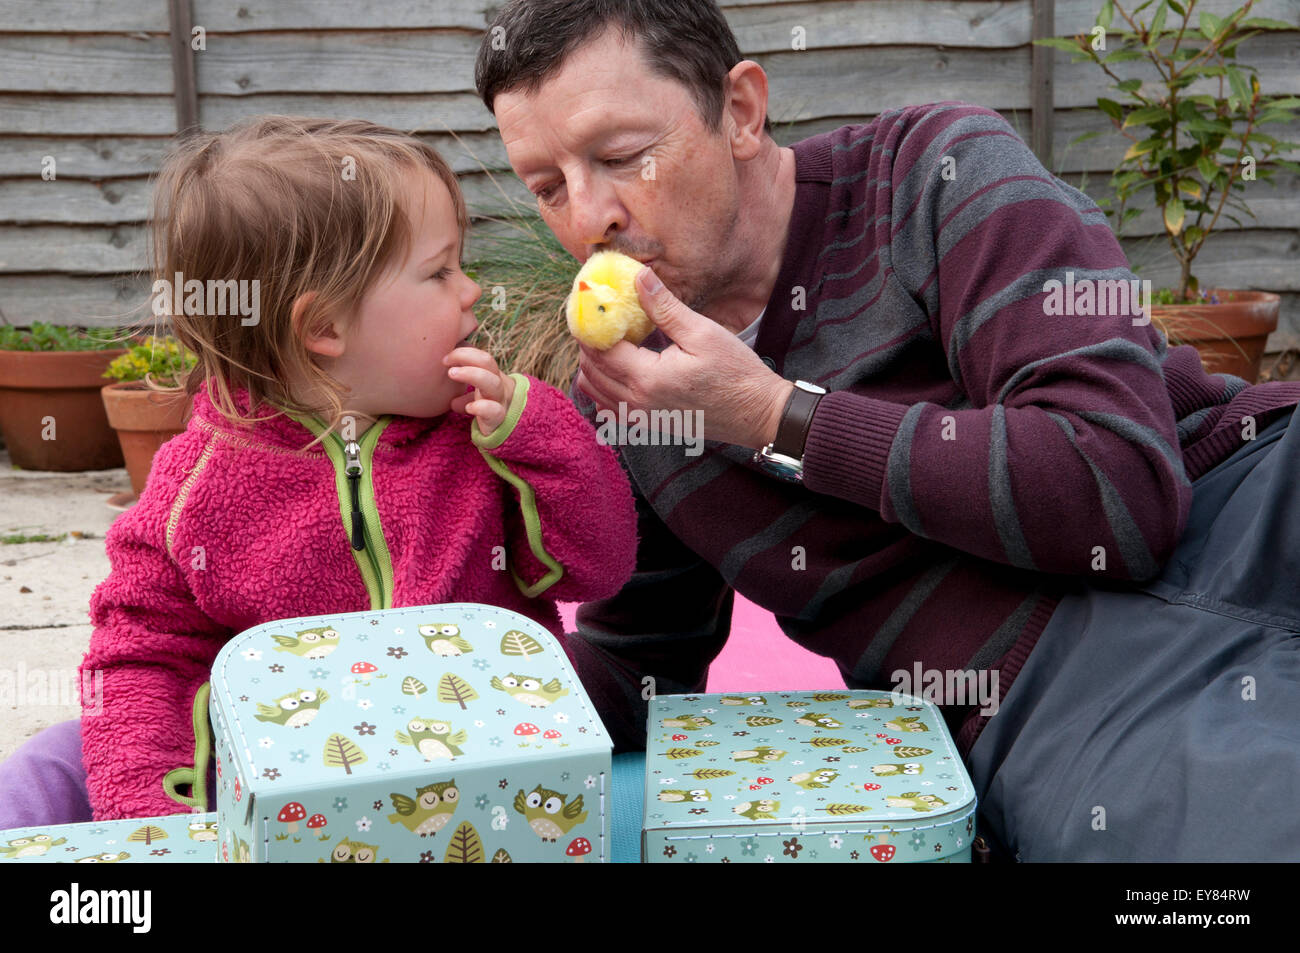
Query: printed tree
pixel 466 847
pixel 147 834
pixel 453 688
pixel 519 643
pixel 413 686
pixel 342 752
pixel 502 856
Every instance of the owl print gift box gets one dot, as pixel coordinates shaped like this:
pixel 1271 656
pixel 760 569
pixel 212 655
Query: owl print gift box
pixel 810 777
pixel 453 733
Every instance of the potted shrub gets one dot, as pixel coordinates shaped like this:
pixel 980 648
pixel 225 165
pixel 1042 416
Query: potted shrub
pixel 1190 152
pixel 147 404
pixel 50 409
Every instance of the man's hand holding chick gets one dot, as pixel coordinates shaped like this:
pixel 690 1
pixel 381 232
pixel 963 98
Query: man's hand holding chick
pixel 705 368
pixel 493 390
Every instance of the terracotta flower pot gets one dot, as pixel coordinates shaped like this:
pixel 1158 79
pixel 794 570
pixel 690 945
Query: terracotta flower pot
pixel 1230 336
pixel 144 419
pixel 51 411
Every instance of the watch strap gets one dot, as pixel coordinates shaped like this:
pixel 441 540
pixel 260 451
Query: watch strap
pixel 796 421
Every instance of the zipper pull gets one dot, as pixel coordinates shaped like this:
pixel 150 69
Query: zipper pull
pixel 352 453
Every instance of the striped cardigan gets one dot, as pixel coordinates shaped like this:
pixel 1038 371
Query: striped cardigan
pixel 974 457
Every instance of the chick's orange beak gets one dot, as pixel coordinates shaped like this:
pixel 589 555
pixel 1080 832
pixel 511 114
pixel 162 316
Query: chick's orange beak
pixel 583 286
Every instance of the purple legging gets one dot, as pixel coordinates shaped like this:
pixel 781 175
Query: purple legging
pixel 44 781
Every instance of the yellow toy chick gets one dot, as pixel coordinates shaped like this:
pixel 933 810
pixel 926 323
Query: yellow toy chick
pixel 603 307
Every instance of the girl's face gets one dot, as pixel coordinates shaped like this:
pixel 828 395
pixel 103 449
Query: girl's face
pixel 418 310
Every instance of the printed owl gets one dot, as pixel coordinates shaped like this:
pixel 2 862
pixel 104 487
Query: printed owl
pixel 911 723
pixel 203 830
pixel 856 703
pixel 547 813
pixel 817 720
pixel 754 810
pixel 241 851
pixel 102 858
pixel 431 809
pixel 35 845
pixel 743 700
pixel 687 722
pixel 530 690
pixel 444 639
pixel 353 852
pixel 760 755
pixel 916 801
pixel 432 738
pixel 814 779
pixel 310 643
pixel 296 709
pixel 890 770
pixel 672 796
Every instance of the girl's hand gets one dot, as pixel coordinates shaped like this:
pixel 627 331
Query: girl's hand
pixel 493 390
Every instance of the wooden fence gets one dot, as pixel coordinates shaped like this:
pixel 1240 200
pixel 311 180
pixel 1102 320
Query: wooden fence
pixel 100 86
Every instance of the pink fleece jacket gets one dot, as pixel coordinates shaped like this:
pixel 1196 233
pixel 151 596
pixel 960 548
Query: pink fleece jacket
pixel 238 527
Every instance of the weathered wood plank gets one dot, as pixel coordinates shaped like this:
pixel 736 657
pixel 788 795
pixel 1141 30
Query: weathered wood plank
pixel 409 113
pixel 82 16
pixel 75 250
pixel 769 29
pixel 410 61
pixel 222 16
pixel 1079 16
pixel 1102 152
pixel 36 114
pixel 115 157
pixel 81 157
pixel 85 63
pixel 71 201
pixel 1276 55
pixel 98 301
pixel 388 62
pixel 1256 258
pixel 1276 205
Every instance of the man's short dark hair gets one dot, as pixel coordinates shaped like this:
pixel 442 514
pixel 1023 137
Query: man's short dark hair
pixel 686 40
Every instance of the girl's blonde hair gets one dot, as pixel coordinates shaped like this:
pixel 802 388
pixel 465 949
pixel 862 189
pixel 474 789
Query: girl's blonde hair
pixel 299 205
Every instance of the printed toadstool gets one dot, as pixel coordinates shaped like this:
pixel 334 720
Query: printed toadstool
pixel 291 814
pixel 315 822
pixel 551 735
pixel 524 729
pixel 578 849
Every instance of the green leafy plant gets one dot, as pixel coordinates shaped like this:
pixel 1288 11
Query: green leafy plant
pixel 160 361
pixel 56 337
pixel 1190 150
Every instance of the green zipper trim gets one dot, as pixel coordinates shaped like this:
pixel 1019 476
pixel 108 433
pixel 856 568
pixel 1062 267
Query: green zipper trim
pixel 374 561
pixel 527 497
pixel 516 410
pixel 196 777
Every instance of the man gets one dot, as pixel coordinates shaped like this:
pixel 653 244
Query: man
pixel 983 477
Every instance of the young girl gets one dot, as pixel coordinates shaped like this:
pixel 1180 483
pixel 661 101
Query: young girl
pixel 335 461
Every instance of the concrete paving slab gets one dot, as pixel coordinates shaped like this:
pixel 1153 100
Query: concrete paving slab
pixel 45 589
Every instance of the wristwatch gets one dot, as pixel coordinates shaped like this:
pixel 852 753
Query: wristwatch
pixel 783 457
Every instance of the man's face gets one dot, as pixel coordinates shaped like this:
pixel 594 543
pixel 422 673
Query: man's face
pixel 620 160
